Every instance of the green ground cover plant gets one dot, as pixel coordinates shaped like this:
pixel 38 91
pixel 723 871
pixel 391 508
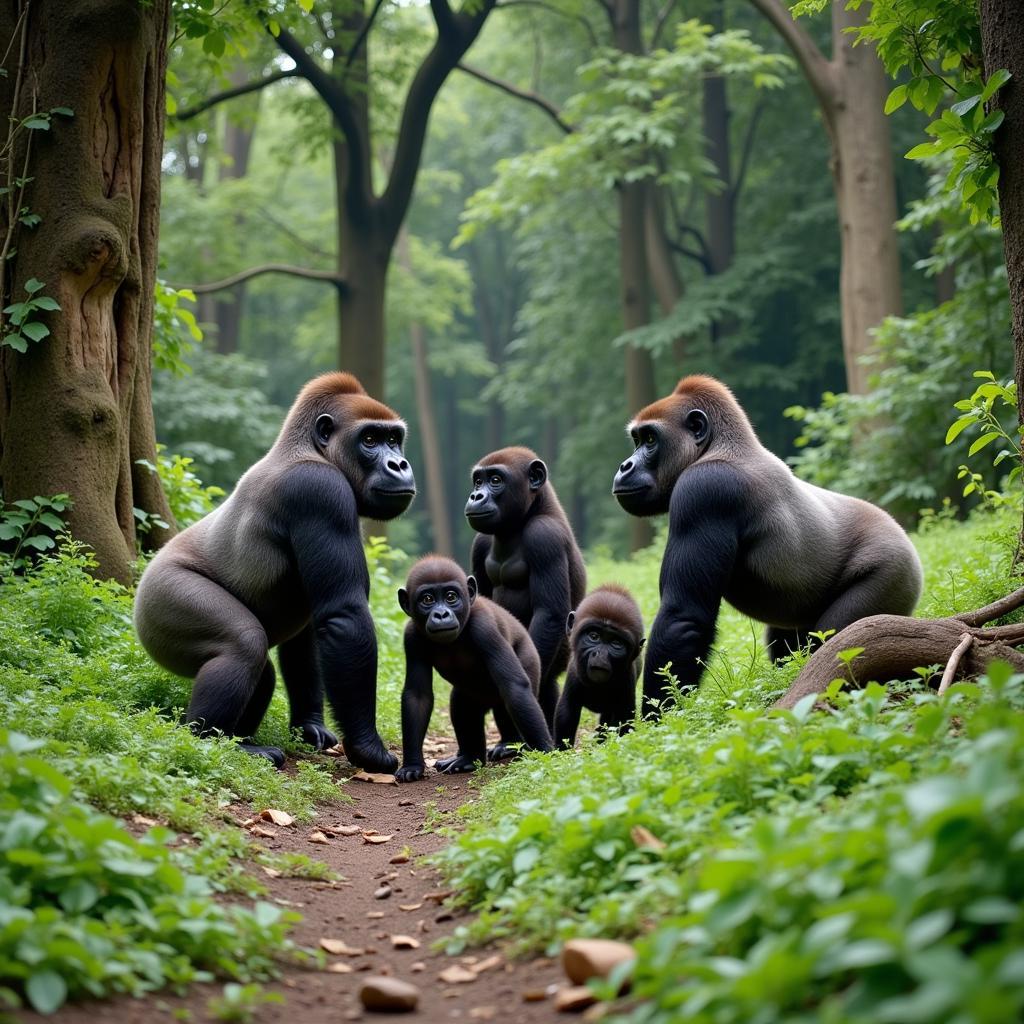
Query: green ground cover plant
pixel 858 865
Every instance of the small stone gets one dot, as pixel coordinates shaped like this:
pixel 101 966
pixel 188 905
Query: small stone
pixel 418 966
pixel 535 995
pixel 456 975
pixel 575 999
pixel 382 893
pixel 583 959
pixel 399 858
pixel 388 995
pixel 404 942
pixel 405 803
pixel 482 1013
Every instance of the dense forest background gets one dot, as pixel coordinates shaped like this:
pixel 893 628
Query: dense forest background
pixel 515 296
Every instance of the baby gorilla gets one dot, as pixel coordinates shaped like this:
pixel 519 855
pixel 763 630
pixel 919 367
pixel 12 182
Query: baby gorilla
pixel 606 635
pixel 482 650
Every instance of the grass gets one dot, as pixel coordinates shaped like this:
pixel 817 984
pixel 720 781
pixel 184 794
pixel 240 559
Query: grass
pixel 863 865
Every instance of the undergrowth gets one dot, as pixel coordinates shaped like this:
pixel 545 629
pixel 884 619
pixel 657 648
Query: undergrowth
pixel 865 864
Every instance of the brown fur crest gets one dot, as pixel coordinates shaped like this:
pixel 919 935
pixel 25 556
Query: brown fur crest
pixel 612 604
pixel 434 569
pixel 515 456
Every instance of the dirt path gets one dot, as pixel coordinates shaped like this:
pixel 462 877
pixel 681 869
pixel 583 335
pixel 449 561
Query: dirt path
pixel 351 912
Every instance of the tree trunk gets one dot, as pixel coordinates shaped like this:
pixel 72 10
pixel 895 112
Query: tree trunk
pixel 75 411
pixel 719 205
pixel 865 185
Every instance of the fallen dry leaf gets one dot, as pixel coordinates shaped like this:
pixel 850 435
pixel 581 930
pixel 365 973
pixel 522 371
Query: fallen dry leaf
pixel 270 872
pixel 409 906
pixel 141 819
pixel 319 837
pixel 367 838
pixel 335 751
pixel 282 818
pixel 337 967
pixel 456 975
pixel 482 1013
pixel 374 914
pixel 263 833
pixel 338 947
pixel 418 966
pixel 438 897
pixel 341 830
pixel 404 942
pixel 378 777
pixel 486 965
pixel 645 838
pixel 399 858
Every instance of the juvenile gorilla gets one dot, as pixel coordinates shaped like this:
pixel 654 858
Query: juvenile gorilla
pixel 281 563
pixel 527 560
pixel 480 649
pixel 606 635
pixel 741 526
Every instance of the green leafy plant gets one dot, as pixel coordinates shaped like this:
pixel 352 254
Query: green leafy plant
pixel 31 523
pixel 175 329
pixel 240 1003
pixel 25 328
pixel 188 498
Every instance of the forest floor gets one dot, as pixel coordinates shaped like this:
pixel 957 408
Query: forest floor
pixel 385 892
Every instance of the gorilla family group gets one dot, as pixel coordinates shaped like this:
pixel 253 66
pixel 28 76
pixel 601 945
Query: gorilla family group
pixel 280 564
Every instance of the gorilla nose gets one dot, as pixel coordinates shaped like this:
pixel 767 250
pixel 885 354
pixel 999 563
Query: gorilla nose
pixel 401 473
pixel 626 468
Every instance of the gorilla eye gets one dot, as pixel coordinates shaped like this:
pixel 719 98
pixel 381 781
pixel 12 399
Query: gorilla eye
pixel 651 441
pixel 427 599
pixel 451 597
pixel 393 440
pixel 593 636
pixel 617 645
pixel 495 479
pixel 370 440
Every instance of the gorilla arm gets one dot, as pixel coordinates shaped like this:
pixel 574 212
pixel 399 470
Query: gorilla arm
pixel 567 715
pixel 417 705
pixel 511 680
pixel 550 596
pixel 478 564
pixel 705 521
pixel 323 528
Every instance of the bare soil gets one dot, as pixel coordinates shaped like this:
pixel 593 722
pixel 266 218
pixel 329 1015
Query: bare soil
pixel 357 912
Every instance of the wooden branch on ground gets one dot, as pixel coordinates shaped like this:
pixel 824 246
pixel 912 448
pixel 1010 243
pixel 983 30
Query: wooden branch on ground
pixel 329 276
pixel 895 645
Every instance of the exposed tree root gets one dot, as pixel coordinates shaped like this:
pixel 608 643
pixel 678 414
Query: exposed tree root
pixel 895 645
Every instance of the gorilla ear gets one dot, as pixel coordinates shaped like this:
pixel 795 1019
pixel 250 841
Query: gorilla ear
pixel 471 587
pixel 570 619
pixel 403 600
pixel 323 428
pixel 698 425
pixel 537 474
pixel 643 641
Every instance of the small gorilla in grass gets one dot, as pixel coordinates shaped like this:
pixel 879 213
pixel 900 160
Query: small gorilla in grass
pixel 526 559
pixel 742 527
pixel 482 650
pixel 281 563
pixel 606 635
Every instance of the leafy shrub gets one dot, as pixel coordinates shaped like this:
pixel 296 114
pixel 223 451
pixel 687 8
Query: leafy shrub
pixel 89 909
pixel 186 494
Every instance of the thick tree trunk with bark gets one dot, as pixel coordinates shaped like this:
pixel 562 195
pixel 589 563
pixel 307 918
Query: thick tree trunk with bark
pixel 75 410
pixel 851 91
pixel 1002 38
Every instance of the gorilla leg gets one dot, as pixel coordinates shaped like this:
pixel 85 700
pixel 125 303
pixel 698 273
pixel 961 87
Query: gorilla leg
pixel 781 643
pixel 305 689
pixel 505 748
pixel 468 722
pixel 870 595
pixel 549 693
pixel 253 715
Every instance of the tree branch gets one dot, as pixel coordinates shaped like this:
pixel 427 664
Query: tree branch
pixel 329 276
pixel 553 10
pixel 820 73
pixel 363 33
pixel 659 25
pixel 527 95
pixel 995 610
pixel 954 662
pixel 748 147
pixel 230 94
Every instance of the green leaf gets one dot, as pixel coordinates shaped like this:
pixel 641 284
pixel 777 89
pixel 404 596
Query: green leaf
pixel 985 439
pixel 992 122
pixel 958 426
pixel 33 285
pixel 967 105
pixel 46 991
pixel 63 111
pixel 41 122
pixel 995 82
pixel 922 150
pixel 15 341
pixel 45 302
pixel 40 542
pixel 35 330
pixel 896 99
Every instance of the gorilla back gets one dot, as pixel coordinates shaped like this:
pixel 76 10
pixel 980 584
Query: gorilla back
pixel 741 526
pixel 281 563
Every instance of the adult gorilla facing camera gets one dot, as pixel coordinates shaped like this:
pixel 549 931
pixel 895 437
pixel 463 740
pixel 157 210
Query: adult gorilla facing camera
pixel 281 563
pixel 742 527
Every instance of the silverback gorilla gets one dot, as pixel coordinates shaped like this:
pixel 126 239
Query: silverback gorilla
pixel 744 528
pixel 481 649
pixel 526 559
pixel 281 563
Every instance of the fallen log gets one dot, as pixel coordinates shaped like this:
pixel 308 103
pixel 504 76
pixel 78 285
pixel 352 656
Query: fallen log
pixel 895 645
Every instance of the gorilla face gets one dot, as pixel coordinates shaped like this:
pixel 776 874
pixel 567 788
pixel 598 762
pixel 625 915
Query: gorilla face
pixel 502 494
pixel 372 459
pixel 440 609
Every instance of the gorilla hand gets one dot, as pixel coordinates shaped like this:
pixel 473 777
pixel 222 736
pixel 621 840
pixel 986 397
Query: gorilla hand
pixel 316 734
pixel 275 755
pixel 410 772
pixel 455 765
pixel 371 754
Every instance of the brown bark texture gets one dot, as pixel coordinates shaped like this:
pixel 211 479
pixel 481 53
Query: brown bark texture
pixel 1002 39
pixel 75 410
pixel 895 645
pixel 851 90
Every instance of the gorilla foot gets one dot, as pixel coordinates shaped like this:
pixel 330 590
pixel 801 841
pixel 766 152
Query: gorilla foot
pixel 410 772
pixel 371 755
pixel 457 765
pixel 504 751
pixel 316 734
pixel 275 755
